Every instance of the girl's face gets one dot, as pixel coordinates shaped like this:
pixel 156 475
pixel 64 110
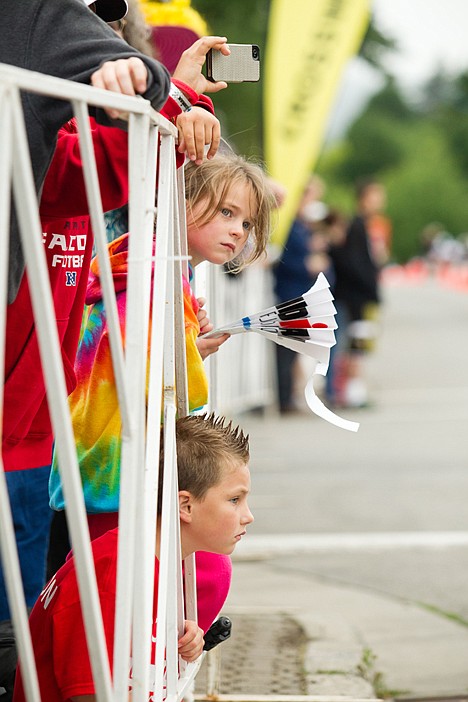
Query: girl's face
pixel 222 238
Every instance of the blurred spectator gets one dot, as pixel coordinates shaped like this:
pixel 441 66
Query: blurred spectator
pixel 303 258
pixel 357 263
pixel 379 226
pixel 440 247
pixel 430 233
pixel 333 230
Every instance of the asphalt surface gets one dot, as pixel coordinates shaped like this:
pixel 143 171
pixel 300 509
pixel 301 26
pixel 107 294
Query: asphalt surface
pixel 364 537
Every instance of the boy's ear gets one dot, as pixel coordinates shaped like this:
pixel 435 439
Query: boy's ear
pixel 185 506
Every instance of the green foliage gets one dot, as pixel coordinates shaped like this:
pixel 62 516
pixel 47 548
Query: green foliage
pixel 428 187
pixel 373 146
pixel 375 46
pixel 239 107
pixel 461 92
pixel 445 101
pixel 419 153
pixel 438 94
pixel 389 102
pixel 367 668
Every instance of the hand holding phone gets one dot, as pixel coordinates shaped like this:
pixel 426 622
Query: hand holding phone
pixel 241 65
pixel 189 68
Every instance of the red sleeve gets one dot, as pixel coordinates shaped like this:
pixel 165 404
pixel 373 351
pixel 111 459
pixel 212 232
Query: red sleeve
pixel 171 109
pixel 205 102
pixel 64 192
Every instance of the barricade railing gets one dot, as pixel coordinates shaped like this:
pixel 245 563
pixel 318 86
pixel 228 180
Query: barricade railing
pixel 160 295
pixel 242 376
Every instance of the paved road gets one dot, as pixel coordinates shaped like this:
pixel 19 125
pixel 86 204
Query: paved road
pixel 405 472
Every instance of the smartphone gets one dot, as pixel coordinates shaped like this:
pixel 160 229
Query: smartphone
pixel 242 65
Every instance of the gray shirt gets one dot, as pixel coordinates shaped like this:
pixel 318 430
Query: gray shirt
pixel 61 38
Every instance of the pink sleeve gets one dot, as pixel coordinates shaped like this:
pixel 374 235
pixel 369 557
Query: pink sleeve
pixel 213 582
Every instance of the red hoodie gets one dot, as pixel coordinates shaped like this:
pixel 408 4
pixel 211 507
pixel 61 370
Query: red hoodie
pixel 27 432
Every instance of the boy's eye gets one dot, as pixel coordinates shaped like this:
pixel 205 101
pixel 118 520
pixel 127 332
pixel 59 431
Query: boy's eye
pixel 234 500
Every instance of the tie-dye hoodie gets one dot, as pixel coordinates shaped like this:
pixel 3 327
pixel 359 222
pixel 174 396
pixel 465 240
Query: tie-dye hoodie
pixel 94 405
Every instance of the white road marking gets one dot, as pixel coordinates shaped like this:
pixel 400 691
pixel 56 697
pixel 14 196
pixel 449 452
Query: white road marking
pixel 264 546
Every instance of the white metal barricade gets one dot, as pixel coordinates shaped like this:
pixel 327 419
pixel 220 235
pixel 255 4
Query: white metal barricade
pixel 140 448
pixel 242 375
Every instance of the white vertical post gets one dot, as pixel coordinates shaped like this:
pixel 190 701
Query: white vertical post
pixel 167 630
pixel 181 268
pixel 49 346
pixel 140 448
pixel 180 265
pixel 146 514
pixel 8 551
pixel 170 528
pixel 132 451
pixel 166 634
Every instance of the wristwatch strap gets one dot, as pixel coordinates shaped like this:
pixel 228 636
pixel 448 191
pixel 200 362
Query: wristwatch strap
pixel 181 99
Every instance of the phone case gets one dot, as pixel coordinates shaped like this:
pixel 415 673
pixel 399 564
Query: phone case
pixel 242 65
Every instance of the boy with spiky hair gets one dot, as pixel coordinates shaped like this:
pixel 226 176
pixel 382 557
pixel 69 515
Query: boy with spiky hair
pixel 214 483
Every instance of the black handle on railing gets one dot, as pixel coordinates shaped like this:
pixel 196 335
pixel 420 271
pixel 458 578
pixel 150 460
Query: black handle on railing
pixel 218 632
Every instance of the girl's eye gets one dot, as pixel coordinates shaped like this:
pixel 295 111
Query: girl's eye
pixel 226 211
pixel 234 500
pixel 247 226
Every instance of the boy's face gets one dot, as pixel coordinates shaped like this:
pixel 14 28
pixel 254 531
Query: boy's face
pixel 219 519
pixel 222 238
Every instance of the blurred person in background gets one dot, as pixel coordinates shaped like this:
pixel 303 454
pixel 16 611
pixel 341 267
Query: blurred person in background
pixel 302 259
pixel 357 262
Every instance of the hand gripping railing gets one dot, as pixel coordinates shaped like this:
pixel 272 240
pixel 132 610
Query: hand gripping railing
pixel 140 426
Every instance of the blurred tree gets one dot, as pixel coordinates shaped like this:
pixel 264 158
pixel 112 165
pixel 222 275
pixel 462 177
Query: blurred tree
pixel 427 187
pixel 414 153
pixel 461 92
pixel 437 93
pixel 239 107
pixel 376 46
pixel 373 143
pixel 373 146
pixel 418 150
pixel 445 101
pixel 389 101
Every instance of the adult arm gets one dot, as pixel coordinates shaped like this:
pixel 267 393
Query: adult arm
pixel 196 127
pixel 87 50
pixel 66 40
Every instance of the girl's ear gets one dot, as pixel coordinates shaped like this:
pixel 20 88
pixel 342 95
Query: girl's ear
pixel 185 506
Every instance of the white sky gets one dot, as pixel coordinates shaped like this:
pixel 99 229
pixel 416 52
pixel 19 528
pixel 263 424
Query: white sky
pixel 430 33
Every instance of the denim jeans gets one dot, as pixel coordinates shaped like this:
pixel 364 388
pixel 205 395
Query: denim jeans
pixel 29 500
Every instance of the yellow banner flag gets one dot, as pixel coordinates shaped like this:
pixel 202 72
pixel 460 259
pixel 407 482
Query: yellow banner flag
pixel 309 43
